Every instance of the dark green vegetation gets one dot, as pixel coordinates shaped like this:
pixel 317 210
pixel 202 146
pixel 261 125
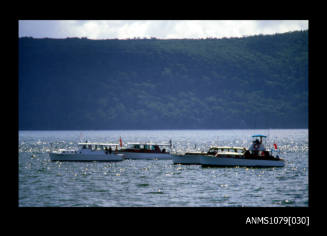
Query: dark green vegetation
pixel 253 82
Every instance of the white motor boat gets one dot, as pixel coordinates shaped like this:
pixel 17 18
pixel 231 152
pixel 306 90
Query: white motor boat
pixel 146 151
pixel 194 158
pixel 255 156
pixel 88 152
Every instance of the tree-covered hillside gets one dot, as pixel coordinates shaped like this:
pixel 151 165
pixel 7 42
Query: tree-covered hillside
pixel 252 82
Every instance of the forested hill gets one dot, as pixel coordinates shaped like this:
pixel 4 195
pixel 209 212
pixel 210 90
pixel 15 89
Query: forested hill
pixel 251 82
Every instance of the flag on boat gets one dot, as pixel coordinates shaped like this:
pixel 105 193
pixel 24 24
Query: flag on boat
pixel 120 142
pixel 275 145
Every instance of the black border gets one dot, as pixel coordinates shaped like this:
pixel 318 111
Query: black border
pixel 159 220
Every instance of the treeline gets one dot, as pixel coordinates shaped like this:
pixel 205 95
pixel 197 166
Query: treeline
pixel 251 82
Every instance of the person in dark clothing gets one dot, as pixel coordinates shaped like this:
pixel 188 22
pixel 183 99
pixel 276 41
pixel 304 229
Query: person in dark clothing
pixel 110 150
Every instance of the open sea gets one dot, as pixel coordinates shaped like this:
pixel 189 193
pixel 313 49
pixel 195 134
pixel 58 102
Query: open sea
pixel 160 183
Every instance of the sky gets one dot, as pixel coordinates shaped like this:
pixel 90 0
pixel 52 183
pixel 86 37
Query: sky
pixel 162 29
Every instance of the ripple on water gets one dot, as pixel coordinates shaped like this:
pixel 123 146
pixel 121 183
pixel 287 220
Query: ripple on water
pixel 155 192
pixel 142 185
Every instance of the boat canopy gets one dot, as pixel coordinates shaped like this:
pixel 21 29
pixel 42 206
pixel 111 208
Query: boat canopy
pixel 259 136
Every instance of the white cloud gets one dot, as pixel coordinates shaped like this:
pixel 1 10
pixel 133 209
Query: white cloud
pixel 132 29
pixel 102 29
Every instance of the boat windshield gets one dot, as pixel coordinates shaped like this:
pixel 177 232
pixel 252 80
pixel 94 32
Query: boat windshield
pixel 213 151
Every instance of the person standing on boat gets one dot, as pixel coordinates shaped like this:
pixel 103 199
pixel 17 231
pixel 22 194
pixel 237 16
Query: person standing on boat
pixel 257 146
pixel 110 150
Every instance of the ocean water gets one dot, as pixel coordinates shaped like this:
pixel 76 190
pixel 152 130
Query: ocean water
pixel 159 183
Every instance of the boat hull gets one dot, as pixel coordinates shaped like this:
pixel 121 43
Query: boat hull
pixel 146 156
pixel 186 159
pixel 228 162
pixel 85 157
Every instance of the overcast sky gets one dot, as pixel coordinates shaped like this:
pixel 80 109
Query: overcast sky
pixel 163 29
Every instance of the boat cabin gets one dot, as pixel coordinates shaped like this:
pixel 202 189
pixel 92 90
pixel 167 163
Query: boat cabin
pixel 98 146
pixel 226 150
pixel 147 147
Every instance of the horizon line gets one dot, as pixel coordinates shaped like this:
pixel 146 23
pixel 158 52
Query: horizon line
pixel 155 38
